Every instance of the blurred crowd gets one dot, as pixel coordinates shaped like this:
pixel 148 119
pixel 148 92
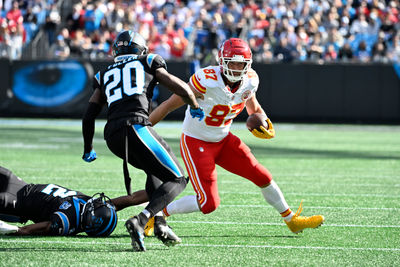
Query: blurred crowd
pixel 277 30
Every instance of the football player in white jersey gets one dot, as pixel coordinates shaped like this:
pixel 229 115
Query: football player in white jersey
pixel 223 92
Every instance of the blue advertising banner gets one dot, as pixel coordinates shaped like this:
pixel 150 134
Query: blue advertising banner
pixel 50 83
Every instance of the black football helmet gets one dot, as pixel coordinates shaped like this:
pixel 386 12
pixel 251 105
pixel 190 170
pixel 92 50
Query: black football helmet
pixel 98 216
pixel 129 42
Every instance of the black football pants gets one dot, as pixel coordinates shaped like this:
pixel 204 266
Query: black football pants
pixel 10 184
pixel 149 152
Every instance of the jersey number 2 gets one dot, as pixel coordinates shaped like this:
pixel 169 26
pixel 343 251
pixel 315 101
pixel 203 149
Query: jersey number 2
pixel 58 191
pixel 113 92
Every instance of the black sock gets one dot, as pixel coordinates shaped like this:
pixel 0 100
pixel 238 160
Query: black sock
pixel 142 219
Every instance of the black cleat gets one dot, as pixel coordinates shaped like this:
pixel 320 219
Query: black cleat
pixel 136 233
pixel 164 233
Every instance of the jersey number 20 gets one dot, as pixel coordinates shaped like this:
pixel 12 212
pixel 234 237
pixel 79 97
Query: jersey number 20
pixel 115 93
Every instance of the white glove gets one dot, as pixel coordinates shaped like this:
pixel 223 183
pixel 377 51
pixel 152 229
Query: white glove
pixel 6 228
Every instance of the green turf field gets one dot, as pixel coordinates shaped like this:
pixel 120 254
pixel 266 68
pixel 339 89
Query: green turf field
pixel 350 174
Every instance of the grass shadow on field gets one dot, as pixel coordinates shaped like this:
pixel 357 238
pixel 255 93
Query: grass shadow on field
pixel 288 152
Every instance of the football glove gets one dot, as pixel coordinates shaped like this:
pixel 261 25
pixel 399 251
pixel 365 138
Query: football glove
pixel 90 156
pixel 197 113
pixel 265 133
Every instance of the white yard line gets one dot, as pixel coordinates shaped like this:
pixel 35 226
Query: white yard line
pixel 277 224
pixel 91 243
pixel 32 146
pixel 314 207
pixel 304 194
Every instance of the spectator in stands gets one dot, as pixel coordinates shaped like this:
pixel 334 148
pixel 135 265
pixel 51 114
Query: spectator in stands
pixel 15 33
pixel 4 39
pixel 206 23
pixel 75 19
pixel 59 49
pixel 50 26
pixel 362 53
pixel 284 52
pixel 345 53
pixel 394 49
pixel 330 53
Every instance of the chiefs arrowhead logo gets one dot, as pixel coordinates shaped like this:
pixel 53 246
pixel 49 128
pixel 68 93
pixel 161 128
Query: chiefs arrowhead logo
pixel 246 94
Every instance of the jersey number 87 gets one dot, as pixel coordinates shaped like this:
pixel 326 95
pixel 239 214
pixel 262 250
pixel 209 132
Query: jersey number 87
pixel 218 114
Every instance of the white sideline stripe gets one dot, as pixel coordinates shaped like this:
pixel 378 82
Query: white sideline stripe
pixel 32 146
pixel 329 184
pixel 312 207
pixel 198 245
pixel 279 224
pixel 316 194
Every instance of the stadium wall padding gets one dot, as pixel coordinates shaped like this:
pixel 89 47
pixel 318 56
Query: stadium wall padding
pixel 288 92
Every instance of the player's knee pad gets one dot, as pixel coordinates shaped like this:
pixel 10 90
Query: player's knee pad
pixel 211 205
pixel 183 182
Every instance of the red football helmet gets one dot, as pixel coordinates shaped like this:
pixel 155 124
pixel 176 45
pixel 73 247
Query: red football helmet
pixel 237 50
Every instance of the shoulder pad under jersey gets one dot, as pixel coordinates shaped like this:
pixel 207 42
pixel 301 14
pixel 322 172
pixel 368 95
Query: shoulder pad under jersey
pixel 155 61
pixel 203 78
pixel 253 77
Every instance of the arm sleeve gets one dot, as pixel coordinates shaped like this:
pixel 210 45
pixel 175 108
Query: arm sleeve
pixel 88 125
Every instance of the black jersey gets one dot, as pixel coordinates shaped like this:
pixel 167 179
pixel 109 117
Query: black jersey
pixel 50 202
pixel 128 85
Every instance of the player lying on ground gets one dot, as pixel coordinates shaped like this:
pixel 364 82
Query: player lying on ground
pixel 223 92
pixel 56 210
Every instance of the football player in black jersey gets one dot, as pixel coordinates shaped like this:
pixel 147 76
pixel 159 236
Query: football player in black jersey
pixel 56 210
pixel 127 88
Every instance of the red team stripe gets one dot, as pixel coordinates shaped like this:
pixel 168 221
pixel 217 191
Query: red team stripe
pixel 191 170
pixel 286 213
pixel 165 212
pixel 197 85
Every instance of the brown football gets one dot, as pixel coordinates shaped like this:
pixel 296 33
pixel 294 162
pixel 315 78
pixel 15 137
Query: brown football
pixel 255 120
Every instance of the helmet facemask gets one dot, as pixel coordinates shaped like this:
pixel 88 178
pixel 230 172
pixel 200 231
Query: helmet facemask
pixel 234 50
pixel 129 43
pixel 98 216
pixel 230 73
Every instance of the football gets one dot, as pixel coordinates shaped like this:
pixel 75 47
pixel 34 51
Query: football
pixel 255 120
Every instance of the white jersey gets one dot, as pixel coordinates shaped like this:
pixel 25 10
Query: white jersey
pixel 220 105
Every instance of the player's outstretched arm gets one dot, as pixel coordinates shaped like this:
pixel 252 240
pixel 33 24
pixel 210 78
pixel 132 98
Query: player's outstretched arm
pixel 137 198
pixel 177 86
pixel 42 228
pixel 169 105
